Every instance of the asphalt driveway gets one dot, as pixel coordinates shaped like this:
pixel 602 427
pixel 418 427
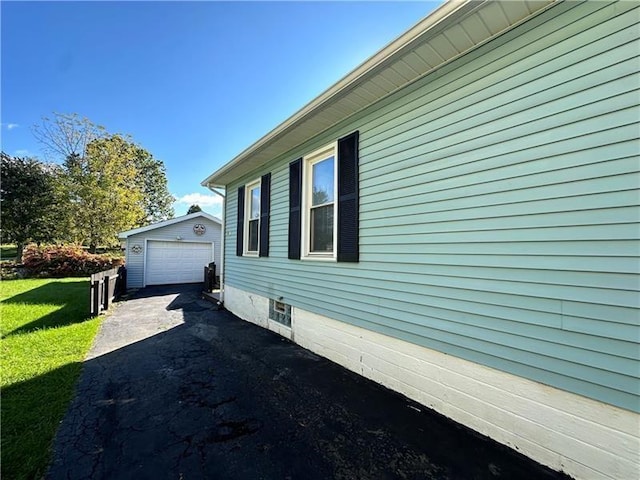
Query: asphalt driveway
pixel 173 389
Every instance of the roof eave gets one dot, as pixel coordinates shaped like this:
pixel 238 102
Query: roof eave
pixel 445 16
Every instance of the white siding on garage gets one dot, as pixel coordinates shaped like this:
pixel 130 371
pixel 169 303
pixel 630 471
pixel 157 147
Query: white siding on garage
pixel 184 230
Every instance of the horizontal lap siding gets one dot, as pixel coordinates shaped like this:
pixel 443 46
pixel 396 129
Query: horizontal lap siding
pixel 499 209
pixel 134 263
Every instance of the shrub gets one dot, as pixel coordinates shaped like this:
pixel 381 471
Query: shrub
pixel 64 261
pixel 10 270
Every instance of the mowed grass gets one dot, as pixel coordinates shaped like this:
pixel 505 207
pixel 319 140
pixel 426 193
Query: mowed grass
pixel 46 334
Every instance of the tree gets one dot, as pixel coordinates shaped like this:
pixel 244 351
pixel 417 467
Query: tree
pixel 103 192
pixel 152 181
pixel 109 183
pixel 27 193
pixel 194 208
pixel 67 134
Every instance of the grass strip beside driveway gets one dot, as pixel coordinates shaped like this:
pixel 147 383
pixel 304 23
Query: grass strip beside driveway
pixel 46 333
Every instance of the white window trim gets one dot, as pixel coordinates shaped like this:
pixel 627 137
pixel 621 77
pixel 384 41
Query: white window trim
pixel 308 161
pixel 247 214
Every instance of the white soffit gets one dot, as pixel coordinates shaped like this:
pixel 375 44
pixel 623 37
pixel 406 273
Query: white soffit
pixel 453 29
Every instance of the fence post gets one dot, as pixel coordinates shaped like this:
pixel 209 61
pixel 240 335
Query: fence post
pixel 101 293
pixel 95 297
pixel 107 297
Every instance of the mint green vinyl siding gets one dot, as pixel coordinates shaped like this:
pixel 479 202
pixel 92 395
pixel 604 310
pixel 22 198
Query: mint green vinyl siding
pixel 499 217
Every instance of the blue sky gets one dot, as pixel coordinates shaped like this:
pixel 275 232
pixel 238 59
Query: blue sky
pixel 195 83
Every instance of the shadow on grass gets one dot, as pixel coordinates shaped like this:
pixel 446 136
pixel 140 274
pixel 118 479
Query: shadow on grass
pixel 215 397
pixel 73 298
pixel 31 411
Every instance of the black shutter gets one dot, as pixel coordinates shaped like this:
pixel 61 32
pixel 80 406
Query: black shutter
pixel 240 227
pixel 295 210
pixel 265 203
pixel 348 201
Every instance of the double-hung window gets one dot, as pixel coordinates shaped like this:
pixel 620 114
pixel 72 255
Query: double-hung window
pixel 254 200
pixel 252 221
pixel 319 215
pixel 324 203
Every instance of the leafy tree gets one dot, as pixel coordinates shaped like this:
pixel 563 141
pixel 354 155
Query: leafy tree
pixel 28 191
pixel 152 181
pixel 108 183
pixel 103 192
pixel 194 208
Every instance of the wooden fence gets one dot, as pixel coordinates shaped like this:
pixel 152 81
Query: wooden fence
pixel 105 287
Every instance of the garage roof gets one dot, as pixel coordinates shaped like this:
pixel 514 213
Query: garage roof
pixel 453 29
pixel 166 223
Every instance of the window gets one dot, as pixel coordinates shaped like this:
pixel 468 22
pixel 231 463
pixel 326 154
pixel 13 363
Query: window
pixel 252 222
pixel 252 233
pixel 279 307
pixel 319 204
pixel 324 203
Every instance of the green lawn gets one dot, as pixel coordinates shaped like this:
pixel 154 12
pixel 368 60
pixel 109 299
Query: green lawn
pixel 46 334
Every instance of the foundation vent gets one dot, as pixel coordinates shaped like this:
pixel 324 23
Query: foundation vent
pixel 280 312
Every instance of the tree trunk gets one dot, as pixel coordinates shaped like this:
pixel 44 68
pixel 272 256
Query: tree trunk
pixel 19 250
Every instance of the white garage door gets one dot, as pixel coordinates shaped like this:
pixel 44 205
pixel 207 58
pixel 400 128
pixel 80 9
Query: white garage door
pixel 176 262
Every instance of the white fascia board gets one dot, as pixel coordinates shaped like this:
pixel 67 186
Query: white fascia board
pixel 165 223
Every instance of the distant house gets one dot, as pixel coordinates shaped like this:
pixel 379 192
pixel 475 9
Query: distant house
pixel 457 219
pixel 173 251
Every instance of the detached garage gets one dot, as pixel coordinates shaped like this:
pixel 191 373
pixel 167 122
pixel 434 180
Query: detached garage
pixel 173 251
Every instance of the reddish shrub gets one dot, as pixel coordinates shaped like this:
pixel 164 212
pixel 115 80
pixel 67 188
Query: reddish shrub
pixel 64 261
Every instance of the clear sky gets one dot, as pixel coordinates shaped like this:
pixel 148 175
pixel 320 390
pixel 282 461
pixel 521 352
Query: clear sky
pixel 194 83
